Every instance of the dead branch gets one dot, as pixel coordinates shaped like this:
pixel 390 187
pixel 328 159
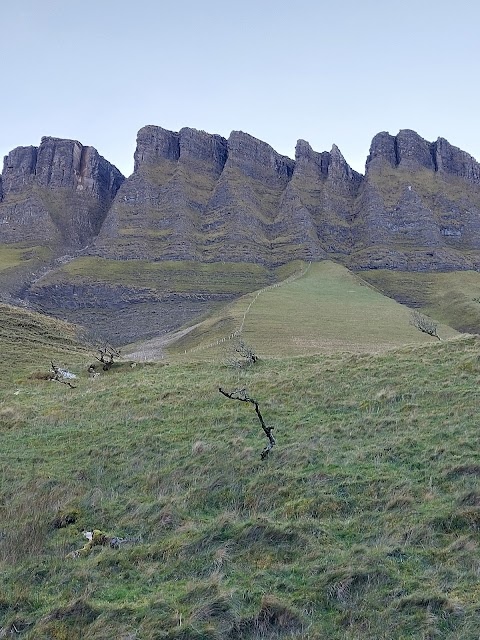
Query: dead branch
pixel 424 324
pixel 58 376
pixel 107 355
pixel 241 394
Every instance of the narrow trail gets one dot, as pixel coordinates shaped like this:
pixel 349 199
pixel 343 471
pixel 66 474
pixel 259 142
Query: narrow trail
pixel 238 332
pixel 153 350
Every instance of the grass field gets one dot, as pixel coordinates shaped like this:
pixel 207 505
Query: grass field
pixel 30 340
pixel 14 255
pixel 452 297
pixel 325 308
pixel 362 523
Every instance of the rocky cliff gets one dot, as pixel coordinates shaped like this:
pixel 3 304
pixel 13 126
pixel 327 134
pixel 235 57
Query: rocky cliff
pixel 419 206
pixel 196 196
pixel 201 197
pixel 56 194
pixel 203 218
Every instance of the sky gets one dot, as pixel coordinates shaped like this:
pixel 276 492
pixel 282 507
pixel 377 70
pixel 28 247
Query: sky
pixel 328 72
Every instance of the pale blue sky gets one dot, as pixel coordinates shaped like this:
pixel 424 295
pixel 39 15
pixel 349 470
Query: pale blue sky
pixel 328 72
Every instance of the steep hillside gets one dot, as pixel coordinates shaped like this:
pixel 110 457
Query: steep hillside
pixel 452 297
pixel 198 196
pixel 420 206
pixel 129 299
pixel 57 193
pixel 53 201
pixel 362 522
pixel 30 341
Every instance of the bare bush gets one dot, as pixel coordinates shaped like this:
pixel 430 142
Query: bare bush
pixel 107 355
pixel 424 324
pixel 240 355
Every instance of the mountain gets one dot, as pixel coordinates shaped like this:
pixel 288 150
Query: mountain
pixel 56 194
pixel 203 219
pixel 195 196
pixel 419 208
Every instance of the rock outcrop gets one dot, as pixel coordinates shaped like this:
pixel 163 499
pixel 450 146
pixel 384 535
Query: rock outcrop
pixel 158 212
pixel 56 194
pixel 197 199
pixel 197 196
pixel 419 200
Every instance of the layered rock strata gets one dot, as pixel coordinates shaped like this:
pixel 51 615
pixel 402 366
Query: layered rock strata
pixel 56 194
pixel 200 199
pixel 419 206
pixel 197 196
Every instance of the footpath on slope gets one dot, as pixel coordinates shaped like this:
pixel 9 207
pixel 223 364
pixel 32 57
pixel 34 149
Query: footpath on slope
pixel 154 349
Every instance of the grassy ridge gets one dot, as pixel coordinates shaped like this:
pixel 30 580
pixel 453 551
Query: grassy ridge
pixel 450 297
pixel 325 309
pixel 164 276
pixel 362 523
pixel 20 253
pixel 29 341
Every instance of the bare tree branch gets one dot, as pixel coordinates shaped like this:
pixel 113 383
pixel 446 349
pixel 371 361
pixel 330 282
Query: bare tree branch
pixel 107 355
pixel 241 394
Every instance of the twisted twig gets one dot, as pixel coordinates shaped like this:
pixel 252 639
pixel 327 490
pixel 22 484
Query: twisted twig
pixel 241 394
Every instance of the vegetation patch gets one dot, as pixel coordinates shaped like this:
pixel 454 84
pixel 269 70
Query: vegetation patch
pixel 450 298
pixel 361 523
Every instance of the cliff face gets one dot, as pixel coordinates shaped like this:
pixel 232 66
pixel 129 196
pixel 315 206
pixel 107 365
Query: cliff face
pixel 419 207
pixel 200 197
pixel 196 196
pixel 199 201
pixel 57 194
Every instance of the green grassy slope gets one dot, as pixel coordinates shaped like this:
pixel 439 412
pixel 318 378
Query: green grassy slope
pixel 164 276
pixel 18 261
pixel 29 341
pixel 327 308
pixel 450 297
pixel 362 523
pixel 21 254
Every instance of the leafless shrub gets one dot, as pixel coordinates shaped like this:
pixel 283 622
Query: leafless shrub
pixel 240 355
pixel 424 324
pixel 107 355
